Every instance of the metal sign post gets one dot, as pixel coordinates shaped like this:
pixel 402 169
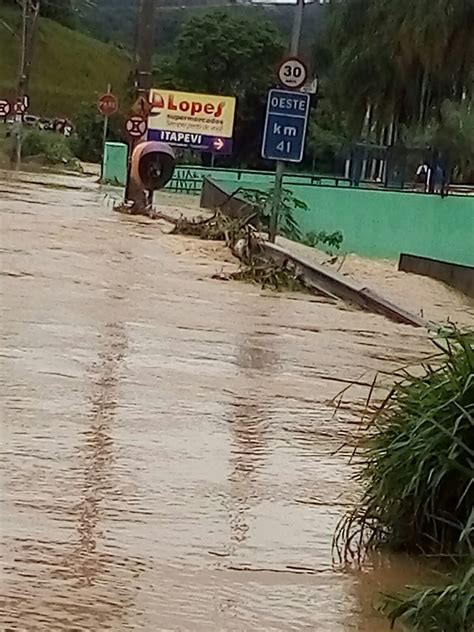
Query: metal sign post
pixel 280 166
pixel 136 128
pixel 284 136
pixel 107 105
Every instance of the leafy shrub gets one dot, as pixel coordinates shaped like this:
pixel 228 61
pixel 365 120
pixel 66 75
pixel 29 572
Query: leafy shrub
pixel 53 147
pixel 418 472
pixel 330 242
pixel 87 140
pixel 289 204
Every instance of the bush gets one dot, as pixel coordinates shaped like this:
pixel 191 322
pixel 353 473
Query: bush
pixel 87 141
pixel 53 148
pixel 418 476
pixel 418 471
pixel 289 206
pixel 329 242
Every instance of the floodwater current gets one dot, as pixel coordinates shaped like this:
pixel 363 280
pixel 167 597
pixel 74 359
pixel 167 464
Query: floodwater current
pixel 171 457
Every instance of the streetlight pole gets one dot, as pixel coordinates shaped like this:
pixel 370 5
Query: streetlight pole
pixel 280 165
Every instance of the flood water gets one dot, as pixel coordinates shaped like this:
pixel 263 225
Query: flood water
pixel 171 459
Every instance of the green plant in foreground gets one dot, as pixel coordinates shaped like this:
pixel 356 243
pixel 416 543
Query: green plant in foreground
pixel 289 205
pixel 448 608
pixel 329 242
pixel 418 462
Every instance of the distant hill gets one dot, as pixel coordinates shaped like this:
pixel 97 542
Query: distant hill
pixel 114 20
pixel 70 69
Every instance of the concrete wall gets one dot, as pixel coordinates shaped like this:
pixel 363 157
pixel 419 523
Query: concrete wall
pixel 460 277
pixel 385 223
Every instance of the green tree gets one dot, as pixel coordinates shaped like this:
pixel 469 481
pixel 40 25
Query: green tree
pixel 327 140
pixel 403 59
pixel 452 133
pixel 393 66
pixel 221 53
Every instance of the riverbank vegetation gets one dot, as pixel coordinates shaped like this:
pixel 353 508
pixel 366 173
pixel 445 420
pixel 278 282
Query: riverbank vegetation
pixel 418 484
pixel 448 607
pixel 244 235
pixel 241 236
pixel 39 149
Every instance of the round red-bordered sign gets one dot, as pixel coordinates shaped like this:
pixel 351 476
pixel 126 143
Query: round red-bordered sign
pixel 20 108
pixel 136 126
pixel 107 104
pixel 292 73
pixel 5 108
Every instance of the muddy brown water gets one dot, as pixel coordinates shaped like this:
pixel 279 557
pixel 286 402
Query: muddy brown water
pixel 170 456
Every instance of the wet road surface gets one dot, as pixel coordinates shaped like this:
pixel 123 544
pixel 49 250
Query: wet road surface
pixel 171 459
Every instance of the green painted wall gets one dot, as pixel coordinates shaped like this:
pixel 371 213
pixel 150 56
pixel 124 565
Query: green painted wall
pixel 387 223
pixel 374 223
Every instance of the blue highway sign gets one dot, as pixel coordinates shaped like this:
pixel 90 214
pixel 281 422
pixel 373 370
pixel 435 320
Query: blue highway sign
pixel 286 121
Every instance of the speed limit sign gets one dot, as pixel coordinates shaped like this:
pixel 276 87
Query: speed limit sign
pixel 292 73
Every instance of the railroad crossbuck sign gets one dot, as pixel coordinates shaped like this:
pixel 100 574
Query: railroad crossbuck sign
pixel 286 121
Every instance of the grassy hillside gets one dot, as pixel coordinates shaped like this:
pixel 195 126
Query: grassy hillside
pixel 70 69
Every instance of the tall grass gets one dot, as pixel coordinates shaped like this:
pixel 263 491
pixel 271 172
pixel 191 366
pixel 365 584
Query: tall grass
pixel 448 608
pixel 418 472
pixel 418 485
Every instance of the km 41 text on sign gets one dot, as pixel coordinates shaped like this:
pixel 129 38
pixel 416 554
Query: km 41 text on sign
pixel 285 125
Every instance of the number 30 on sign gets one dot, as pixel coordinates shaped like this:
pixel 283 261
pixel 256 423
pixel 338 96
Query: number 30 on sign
pixel 292 73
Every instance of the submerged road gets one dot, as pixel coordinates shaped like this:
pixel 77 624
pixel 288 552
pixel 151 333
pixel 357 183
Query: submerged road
pixel 171 459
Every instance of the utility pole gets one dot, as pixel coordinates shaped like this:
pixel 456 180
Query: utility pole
pixel 30 13
pixel 280 165
pixel 144 46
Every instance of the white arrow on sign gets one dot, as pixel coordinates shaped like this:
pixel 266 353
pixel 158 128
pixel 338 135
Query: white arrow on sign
pixel 292 73
pixel 218 144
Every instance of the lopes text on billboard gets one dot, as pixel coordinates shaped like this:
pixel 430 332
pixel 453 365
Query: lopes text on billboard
pixel 189 113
